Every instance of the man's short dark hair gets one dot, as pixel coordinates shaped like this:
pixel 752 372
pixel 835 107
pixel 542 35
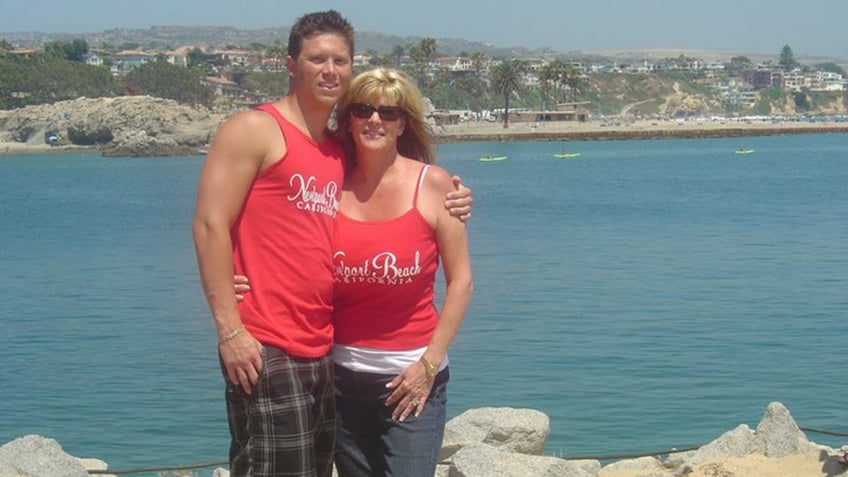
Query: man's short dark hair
pixel 318 23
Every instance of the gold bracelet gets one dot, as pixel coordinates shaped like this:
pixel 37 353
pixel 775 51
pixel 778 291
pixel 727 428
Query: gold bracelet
pixel 431 369
pixel 232 335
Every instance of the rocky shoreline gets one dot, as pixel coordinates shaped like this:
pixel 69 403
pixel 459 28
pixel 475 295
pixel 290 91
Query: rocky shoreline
pixel 134 126
pixel 510 442
pixel 143 126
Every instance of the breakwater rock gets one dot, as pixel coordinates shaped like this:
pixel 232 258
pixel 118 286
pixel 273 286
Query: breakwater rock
pixel 119 126
pixel 508 442
pixel 641 130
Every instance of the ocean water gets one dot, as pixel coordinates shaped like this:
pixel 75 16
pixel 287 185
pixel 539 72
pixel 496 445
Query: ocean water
pixel 646 295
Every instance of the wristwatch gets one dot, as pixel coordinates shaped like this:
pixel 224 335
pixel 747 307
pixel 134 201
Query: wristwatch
pixel 431 369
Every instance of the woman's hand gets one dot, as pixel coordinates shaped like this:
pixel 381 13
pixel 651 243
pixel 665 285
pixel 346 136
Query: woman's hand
pixel 411 389
pixel 240 286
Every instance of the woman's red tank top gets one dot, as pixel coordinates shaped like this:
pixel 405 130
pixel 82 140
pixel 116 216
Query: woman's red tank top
pixel 384 274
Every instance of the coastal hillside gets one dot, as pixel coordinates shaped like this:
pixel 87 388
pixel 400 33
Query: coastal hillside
pixel 655 95
pixel 159 36
pixel 232 71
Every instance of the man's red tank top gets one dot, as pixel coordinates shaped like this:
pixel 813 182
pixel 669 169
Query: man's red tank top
pixel 282 241
pixel 385 272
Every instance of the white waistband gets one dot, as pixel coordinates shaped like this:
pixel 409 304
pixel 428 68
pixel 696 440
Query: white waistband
pixel 378 361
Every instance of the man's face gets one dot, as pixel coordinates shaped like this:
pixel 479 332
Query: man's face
pixel 323 69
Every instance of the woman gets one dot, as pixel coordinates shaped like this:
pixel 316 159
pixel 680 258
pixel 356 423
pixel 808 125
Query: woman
pixel 391 343
pixel 390 351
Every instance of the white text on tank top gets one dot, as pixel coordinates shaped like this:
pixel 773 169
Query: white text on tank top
pixel 307 197
pixel 381 269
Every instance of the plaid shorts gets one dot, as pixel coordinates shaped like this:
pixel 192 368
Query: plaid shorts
pixel 286 426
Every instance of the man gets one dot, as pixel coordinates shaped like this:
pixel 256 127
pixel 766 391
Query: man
pixel 266 204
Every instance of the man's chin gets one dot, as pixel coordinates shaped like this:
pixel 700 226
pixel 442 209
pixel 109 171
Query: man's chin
pixel 330 97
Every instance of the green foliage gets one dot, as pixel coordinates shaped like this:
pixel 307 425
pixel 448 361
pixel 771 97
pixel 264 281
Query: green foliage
pixel 763 107
pixel 396 55
pixel 773 94
pixel 421 55
pixel 737 65
pixel 274 84
pixel 554 83
pixel 461 92
pixel 828 100
pixel 46 78
pixel 832 68
pixel 787 58
pixel 802 101
pixel 74 50
pixel 196 57
pixel 164 80
pixel 506 79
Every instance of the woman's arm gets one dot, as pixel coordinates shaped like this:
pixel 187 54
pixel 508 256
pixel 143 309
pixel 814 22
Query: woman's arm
pixel 413 385
pixel 452 239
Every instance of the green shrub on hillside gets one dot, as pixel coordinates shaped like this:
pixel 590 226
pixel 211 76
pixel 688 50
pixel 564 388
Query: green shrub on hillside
pixel 46 78
pixel 164 80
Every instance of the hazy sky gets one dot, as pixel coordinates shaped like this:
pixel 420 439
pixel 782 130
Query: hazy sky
pixel 812 27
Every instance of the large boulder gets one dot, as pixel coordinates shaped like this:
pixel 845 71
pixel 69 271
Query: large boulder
pixel 523 431
pixel 779 436
pixel 36 456
pixel 486 461
pixel 648 466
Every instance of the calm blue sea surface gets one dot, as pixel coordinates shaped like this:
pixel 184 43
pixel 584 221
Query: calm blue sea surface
pixel 646 295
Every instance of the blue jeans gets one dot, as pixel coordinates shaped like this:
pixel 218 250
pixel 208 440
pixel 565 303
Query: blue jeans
pixel 370 443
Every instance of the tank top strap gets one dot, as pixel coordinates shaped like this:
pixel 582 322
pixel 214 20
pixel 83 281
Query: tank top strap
pixel 418 185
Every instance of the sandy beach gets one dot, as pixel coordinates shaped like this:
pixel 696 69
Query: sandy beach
pixel 9 148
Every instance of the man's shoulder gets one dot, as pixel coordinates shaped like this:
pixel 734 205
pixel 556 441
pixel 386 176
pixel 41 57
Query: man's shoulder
pixel 250 125
pixel 251 118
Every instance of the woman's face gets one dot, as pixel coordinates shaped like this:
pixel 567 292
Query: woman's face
pixel 376 125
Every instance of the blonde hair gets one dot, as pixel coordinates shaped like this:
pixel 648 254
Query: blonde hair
pixel 391 85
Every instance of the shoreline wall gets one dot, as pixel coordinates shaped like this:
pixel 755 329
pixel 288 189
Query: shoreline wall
pixel 624 134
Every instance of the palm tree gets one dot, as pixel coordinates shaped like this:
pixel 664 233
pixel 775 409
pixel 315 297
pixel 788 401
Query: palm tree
pixel 397 54
pixel 507 79
pixel 551 77
pixel 428 47
pixel 421 54
pixel 574 80
pixel 478 59
pixel 277 52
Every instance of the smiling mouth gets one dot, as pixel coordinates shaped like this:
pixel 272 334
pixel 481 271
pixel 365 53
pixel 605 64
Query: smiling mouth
pixel 372 133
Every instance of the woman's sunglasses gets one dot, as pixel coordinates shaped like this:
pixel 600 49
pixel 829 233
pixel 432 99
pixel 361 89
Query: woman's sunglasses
pixel 386 113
